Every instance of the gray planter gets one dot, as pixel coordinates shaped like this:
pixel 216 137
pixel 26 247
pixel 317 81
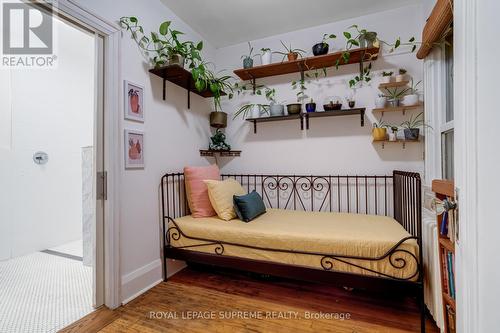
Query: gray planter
pixel 412 134
pixel 247 62
pixel 367 39
pixel 393 103
pixel 277 110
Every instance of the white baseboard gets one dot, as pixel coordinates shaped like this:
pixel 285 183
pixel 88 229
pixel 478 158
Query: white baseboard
pixel 141 280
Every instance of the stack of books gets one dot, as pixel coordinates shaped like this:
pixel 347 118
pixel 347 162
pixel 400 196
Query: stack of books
pixel 448 225
pixel 448 262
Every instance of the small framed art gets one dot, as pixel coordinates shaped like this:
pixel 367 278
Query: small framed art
pixel 134 149
pixel 134 101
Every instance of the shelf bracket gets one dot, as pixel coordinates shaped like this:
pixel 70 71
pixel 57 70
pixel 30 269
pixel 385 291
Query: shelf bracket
pixel 362 118
pixel 189 92
pixel 307 121
pixel 404 145
pixel 255 126
pixel 164 88
pixel 254 84
pixel 301 71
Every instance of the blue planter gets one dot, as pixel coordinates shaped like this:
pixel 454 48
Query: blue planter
pixel 311 107
pixel 247 63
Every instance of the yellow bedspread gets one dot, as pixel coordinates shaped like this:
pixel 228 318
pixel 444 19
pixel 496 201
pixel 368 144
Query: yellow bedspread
pixel 321 232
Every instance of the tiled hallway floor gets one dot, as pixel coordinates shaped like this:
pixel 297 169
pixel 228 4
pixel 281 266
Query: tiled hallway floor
pixel 43 293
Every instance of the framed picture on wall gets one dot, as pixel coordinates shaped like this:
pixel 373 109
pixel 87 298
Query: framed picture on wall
pixel 134 101
pixel 134 149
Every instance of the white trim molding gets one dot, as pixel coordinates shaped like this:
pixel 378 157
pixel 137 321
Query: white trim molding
pixel 112 97
pixel 148 275
pixel 466 168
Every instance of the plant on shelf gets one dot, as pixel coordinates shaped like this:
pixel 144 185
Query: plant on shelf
pixel 257 109
pixel 164 44
pixel 412 97
pixel 248 58
pixel 380 101
pixel 301 84
pixel 322 47
pixel 254 110
pixel 379 130
pixel 311 106
pixel 290 53
pixel 265 56
pixel 412 126
pixel 401 75
pixel 386 77
pixel 393 133
pixel 394 95
pixel 364 77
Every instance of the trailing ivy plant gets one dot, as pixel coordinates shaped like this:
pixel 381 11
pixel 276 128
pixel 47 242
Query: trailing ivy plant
pixel 310 75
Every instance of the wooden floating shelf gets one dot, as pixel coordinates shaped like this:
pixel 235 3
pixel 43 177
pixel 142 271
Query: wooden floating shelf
pixel 393 84
pixel 211 153
pixel 399 108
pixel 304 64
pixel 404 142
pixel 181 77
pixel 304 117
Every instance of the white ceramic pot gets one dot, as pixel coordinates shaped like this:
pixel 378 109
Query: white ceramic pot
pixel 255 113
pixel 385 79
pixel 266 58
pixel 400 78
pixel 392 136
pixel 380 102
pixel 410 100
pixel 277 110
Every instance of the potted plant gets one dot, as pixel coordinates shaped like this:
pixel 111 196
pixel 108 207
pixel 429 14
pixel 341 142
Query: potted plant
pixel 380 101
pixel 311 106
pixel 294 108
pixel 248 58
pixel 412 98
pixel 252 110
pixel 394 96
pixel 379 131
pixel 332 103
pixel 322 47
pixel 412 127
pixel 401 76
pixel 393 133
pixel 386 77
pixel 265 56
pixel 291 53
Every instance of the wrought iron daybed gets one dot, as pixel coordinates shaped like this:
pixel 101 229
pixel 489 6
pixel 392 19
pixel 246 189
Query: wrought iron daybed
pixel 397 196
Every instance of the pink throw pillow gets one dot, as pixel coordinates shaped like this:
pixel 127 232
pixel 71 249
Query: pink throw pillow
pixel 197 191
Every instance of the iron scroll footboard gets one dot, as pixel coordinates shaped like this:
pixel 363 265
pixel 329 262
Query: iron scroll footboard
pixel 397 196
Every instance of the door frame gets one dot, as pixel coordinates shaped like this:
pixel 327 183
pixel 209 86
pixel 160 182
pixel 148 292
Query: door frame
pixel 112 141
pixel 466 168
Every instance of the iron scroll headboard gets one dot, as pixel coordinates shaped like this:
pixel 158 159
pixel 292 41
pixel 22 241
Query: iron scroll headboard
pixel 398 196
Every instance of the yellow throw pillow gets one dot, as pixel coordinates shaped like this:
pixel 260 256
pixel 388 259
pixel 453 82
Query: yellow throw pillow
pixel 221 194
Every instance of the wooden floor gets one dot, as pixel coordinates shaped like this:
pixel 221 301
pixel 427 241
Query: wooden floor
pixel 279 305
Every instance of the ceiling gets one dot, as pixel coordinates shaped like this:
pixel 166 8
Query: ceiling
pixel 228 22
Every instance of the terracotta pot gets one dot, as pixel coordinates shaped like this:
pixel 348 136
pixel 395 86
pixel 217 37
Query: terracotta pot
pixel 379 134
pixel 292 56
pixel 218 119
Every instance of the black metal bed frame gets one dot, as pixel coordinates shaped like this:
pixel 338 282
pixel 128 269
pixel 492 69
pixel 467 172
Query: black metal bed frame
pixel 398 195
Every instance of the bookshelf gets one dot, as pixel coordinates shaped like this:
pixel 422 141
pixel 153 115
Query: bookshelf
pixel 444 189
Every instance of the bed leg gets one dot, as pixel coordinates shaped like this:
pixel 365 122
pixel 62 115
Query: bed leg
pixel 422 309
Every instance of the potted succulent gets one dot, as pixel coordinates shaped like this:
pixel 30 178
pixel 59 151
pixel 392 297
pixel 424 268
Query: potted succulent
pixel 386 77
pixel 412 127
pixel 393 133
pixel 322 48
pixel 332 103
pixel 290 53
pixel 379 131
pixel 248 59
pixel 401 76
pixel 412 98
pixel 380 101
pixel 311 106
pixel 265 56
pixel 394 96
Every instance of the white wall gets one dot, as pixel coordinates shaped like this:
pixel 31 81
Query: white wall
pixel 50 111
pixel 332 145
pixel 173 136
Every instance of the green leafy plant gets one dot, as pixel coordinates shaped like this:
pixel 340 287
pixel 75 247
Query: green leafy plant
pixel 402 71
pixel 384 73
pixel 326 37
pixel 364 77
pixel 396 93
pixel 163 44
pixel 415 122
pixel 250 54
pixel 413 87
pixel 290 50
pixel 207 79
pixel 381 124
pixel 265 49
pixel 310 75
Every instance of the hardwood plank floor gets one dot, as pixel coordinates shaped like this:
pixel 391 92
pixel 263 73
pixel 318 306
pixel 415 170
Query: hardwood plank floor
pixel 279 305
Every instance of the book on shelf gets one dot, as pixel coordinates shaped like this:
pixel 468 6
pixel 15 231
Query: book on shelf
pixel 451 277
pixel 446 288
